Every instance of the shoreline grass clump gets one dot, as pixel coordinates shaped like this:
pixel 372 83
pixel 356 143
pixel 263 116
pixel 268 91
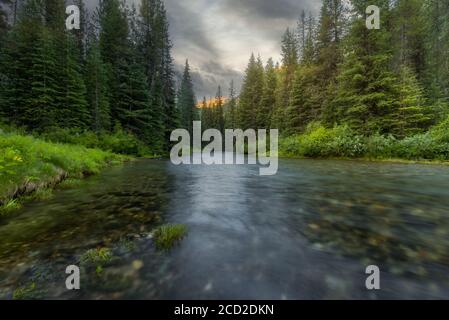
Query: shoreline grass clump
pixel 27 292
pixel 10 206
pixel 70 183
pixel 169 235
pixel 99 256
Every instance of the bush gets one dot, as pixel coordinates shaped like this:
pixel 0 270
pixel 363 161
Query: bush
pixel 378 146
pixel 341 141
pixel 321 142
pixel 422 146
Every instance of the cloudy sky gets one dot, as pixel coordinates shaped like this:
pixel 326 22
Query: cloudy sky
pixel 218 36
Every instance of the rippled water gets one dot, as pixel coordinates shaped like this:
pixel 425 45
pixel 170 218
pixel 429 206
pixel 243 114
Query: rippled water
pixel 307 233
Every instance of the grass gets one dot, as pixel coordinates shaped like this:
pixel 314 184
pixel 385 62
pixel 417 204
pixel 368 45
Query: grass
pixel 70 183
pixel 32 166
pixel 10 206
pixel 25 293
pixel 167 236
pixel 99 256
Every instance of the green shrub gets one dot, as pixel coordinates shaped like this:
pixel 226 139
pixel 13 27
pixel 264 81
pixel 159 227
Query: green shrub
pixel 321 142
pixel 341 141
pixel 422 146
pixel 379 146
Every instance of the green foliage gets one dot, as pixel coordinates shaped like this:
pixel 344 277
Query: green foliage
pixel 96 76
pixel 115 73
pixel 25 293
pixel 167 236
pixel 230 107
pixel 321 142
pixel 119 142
pixel 341 141
pixel 41 194
pixel 27 160
pixel 69 183
pixel 10 206
pixel 251 95
pixel 187 101
pixel 98 257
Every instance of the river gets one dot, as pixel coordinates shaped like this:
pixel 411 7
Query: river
pixel 308 232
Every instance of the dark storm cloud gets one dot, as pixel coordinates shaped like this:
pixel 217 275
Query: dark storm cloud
pixel 218 36
pixel 188 30
pixel 269 9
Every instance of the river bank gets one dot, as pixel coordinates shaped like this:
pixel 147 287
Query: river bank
pixel 31 167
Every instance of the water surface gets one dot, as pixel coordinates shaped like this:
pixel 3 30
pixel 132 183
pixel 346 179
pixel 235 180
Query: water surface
pixel 307 233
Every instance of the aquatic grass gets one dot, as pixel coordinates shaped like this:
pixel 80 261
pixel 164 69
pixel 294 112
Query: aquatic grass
pixel 99 256
pixel 26 292
pixel 167 236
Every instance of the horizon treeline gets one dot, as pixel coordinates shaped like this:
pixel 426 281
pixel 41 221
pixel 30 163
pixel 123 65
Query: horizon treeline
pixel 114 73
pixel 335 71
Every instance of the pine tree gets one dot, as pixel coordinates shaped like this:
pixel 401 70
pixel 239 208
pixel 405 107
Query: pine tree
pixel 365 97
pixel 96 77
pixel 3 33
pixel 412 116
pixel 187 101
pixel 206 115
pixel 231 108
pixel 305 101
pixel 3 19
pixel 409 35
pixel 251 94
pixel 134 105
pixel 268 100
pixel 81 34
pixel 41 104
pixel 115 49
pixel 218 111
pixel 154 47
pixel 309 51
pixel 73 111
pixel 331 31
pixel 290 61
pixel 436 72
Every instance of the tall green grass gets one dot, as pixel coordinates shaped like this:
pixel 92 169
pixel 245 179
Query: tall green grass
pixel 28 160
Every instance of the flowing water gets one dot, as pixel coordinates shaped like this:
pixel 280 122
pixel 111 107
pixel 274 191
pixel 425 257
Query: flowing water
pixel 308 232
